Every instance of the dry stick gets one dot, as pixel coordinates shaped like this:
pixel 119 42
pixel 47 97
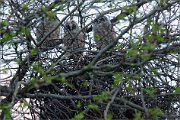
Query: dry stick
pixel 113 98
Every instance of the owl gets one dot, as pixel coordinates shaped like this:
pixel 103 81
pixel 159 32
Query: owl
pixel 43 29
pixel 103 31
pixel 73 41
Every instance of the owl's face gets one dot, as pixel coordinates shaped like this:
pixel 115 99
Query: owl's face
pixel 71 26
pixel 101 19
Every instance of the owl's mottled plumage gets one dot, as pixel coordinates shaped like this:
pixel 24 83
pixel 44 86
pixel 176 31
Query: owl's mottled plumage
pixel 103 31
pixel 44 28
pixel 73 41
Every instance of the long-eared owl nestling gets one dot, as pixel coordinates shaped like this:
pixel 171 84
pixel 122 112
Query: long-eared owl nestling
pixel 103 30
pixel 73 41
pixel 44 28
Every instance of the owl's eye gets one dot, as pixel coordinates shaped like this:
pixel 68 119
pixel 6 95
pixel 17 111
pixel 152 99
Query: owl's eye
pixel 67 27
pixel 96 20
pixel 103 19
pixel 73 27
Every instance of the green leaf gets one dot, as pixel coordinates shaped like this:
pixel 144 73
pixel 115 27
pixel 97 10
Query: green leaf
pixel 137 116
pixel 85 84
pixel 177 90
pixel 163 2
pixel 151 38
pixel 48 79
pixel 150 91
pixel 13 34
pixel 133 52
pixel 109 116
pixel 155 112
pixel 149 46
pixel 5 23
pixel 79 104
pixel 37 67
pixel 155 71
pixel 160 39
pixel 25 7
pixel 93 106
pixel 6 37
pixel 51 15
pixel 24 31
pixel 33 83
pixel 103 96
pixel 130 10
pixel 79 116
pixel 64 81
pixel 129 87
pixel 98 37
pixel 136 77
pixel 156 28
pixel 6 109
pixel 119 47
pixel 44 9
pixel 149 21
pixel 61 8
pixel 33 52
pixel 24 104
pixel 117 80
pixel 121 17
pixel 19 61
pixel 145 56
